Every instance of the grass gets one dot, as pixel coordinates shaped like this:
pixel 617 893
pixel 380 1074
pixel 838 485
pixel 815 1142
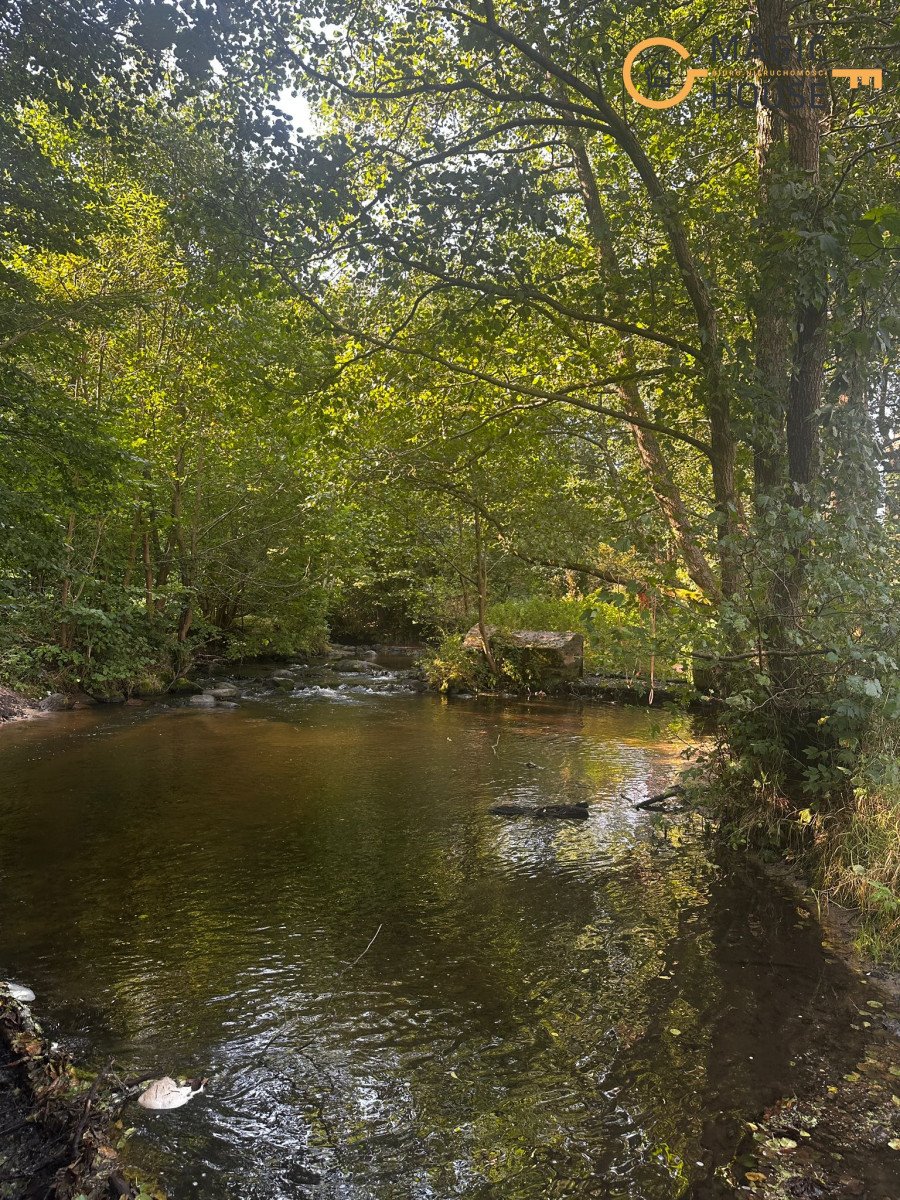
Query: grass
pixel 848 850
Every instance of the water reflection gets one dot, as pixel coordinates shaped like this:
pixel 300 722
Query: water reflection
pixel 547 1010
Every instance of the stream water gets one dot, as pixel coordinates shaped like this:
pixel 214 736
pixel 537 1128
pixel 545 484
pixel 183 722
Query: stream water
pixel 548 1008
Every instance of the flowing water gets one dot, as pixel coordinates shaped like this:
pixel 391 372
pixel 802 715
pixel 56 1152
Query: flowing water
pixel 394 993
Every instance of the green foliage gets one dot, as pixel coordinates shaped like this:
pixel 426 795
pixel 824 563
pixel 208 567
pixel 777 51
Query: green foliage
pixel 492 341
pixel 451 668
pixel 626 633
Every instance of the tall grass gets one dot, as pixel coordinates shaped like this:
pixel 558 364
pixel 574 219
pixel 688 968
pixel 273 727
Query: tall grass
pixel 848 848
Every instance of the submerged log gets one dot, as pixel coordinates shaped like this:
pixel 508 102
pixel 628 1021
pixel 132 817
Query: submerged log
pixel 572 812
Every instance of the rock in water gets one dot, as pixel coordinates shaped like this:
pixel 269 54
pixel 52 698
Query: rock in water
pixel 165 1093
pixel 18 992
pixel 204 701
pixel 551 657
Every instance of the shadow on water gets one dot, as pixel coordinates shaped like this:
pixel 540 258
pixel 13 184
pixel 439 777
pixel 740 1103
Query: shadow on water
pixel 549 1009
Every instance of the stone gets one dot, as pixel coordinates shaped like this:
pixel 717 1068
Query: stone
pixel 165 1093
pixel 19 992
pixel 151 685
pixel 555 657
pixel 352 666
pixel 224 691
pixel 12 705
pixel 184 687
pixel 203 701
pixel 338 651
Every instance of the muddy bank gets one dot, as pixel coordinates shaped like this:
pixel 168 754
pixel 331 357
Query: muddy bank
pixel 58 1126
pixel 837 1136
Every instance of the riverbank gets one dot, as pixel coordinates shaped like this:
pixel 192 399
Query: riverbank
pixel 357 660
pixel 58 1128
pixel 836 1136
pixel 14 706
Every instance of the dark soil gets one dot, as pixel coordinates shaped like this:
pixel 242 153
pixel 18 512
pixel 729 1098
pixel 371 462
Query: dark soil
pixel 23 1144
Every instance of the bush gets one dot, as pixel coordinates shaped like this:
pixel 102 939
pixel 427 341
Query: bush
pixel 622 630
pixel 450 668
pixel 841 828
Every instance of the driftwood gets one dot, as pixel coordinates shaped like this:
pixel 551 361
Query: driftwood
pixel 655 802
pixel 78 1156
pixel 572 812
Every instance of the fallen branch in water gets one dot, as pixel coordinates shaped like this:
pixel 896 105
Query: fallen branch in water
pixel 577 812
pixel 359 957
pixel 78 1135
pixel 660 798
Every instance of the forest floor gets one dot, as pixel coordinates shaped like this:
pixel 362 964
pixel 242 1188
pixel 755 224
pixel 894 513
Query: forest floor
pixel 22 1144
pixel 58 1128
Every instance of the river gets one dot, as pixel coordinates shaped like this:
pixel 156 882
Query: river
pixel 393 992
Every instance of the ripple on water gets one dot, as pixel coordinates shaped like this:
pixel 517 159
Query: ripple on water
pixel 549 1009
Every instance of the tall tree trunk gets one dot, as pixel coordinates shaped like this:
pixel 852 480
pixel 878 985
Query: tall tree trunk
pixel 481 575
pixel 148 570
pixel 664 488
pixel 791 342
pixel 772 309
pixel 65 593
pixel 718 396
pixel 184 562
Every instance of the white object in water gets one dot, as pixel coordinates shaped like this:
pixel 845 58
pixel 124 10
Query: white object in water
pixel 18 992
pixel 165 1093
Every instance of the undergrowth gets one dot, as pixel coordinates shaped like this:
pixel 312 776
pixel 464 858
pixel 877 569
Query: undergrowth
pixel 845 841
